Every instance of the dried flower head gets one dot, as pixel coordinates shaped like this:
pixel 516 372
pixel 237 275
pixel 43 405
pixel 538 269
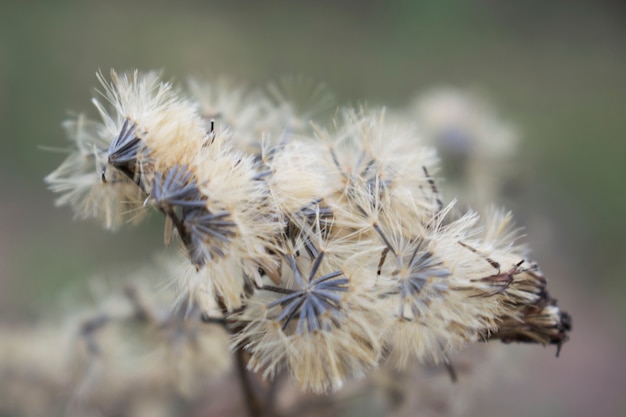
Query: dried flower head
pixel 477 145
pixel 325 252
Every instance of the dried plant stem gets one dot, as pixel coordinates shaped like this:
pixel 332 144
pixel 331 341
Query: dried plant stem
pixel 272 394
pixel 252 402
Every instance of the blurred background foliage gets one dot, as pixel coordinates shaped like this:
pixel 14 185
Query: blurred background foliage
pixel 556 70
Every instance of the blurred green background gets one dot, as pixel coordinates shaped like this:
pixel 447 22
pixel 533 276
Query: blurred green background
pixel 557 70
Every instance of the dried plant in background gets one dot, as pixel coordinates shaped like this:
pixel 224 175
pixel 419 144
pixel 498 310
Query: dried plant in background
pixel 130 354
pixel 476 145
pixel 324 250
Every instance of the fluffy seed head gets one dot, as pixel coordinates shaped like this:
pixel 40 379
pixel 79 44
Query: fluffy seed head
pixel 325 252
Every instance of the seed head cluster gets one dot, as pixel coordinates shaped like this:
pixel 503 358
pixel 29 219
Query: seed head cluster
pixel 327 249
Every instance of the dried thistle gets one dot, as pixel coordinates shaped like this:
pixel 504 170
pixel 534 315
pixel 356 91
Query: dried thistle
pixel 326 252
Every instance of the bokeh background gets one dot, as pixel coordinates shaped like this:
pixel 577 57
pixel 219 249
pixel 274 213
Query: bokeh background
pixel 556 70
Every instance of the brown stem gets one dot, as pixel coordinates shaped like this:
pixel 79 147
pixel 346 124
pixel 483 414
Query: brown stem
pixel 252 402
pixel 272 394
